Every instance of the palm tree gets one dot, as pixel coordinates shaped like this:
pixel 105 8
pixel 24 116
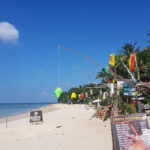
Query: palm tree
pixel 128 49
pixel 124 55
pixel 148 34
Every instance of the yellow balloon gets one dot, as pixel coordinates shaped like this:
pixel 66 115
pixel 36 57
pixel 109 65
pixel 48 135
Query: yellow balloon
pixel 73 95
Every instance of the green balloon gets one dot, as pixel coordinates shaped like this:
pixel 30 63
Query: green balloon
pixel 58 92
pixel 79 95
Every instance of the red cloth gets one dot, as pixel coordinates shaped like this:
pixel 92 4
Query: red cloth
pixel 132 62
pixel 131 101
pixel 109 81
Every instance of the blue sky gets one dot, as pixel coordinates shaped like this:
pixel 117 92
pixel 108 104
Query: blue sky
pixel 95 28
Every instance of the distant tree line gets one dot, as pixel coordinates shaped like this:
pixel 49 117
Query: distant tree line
pixel 143 63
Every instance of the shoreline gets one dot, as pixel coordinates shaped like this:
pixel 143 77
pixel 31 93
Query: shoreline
pixel 45 109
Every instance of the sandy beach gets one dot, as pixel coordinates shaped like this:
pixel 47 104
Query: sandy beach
pixel 65 127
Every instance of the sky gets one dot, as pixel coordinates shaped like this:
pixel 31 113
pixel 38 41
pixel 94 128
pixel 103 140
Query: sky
pixel 31 31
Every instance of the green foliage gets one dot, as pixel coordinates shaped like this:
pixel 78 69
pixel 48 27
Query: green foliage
pixel 129 110
pixel 125 108
pixel 143 59
pixel 65 96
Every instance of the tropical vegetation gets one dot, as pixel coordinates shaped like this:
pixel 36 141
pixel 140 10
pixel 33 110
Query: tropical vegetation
pixel 143 69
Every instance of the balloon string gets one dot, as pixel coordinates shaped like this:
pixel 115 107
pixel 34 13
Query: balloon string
pixel 58 69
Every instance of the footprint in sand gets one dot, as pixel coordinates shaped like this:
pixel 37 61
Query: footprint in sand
pixel 18 139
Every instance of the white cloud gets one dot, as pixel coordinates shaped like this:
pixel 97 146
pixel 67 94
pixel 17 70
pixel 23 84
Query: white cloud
pixel 8 32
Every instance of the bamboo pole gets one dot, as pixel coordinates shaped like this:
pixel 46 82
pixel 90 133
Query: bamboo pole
pixel 6 122
pixel 137 67
pixel 116 99
pixel 90 60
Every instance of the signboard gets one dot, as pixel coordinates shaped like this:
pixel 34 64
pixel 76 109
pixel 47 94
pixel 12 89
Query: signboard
pixel 36 116
pixel 120 84
pixel 129 89
pixel 130 132
pixel 138 98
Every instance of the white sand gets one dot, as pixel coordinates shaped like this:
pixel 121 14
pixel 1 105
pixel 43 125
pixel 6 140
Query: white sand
pixel 77 131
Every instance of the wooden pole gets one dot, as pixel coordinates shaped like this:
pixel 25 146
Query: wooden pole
pixel 139 106
pixel 116 99
pixel 139 102
pixel 137 67
pixel 6 121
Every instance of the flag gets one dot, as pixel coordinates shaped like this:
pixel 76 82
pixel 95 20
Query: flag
pixel 132 62
pixel 133 78
pixel 112 59
pixel 113 81
pixel 108 71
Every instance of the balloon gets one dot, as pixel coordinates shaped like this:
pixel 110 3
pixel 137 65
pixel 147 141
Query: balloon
pixel 73 95
pixel 58 92
pixel 82 96
pixel 79 95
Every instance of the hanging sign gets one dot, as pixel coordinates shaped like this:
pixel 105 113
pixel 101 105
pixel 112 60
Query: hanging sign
pixel 91 92
pixel 130 132
pixel 36 116
pixel 129 89
pixel 111 89
pixel 86 95
pixel 104 95
pixel 118 92
pixel 100 92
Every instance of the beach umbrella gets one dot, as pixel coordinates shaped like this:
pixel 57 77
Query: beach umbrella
pixel 58 92
pixel 97 101
pixel 82 96
pixel 73 95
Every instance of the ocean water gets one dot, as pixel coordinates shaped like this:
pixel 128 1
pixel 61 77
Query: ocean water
pixel 10 109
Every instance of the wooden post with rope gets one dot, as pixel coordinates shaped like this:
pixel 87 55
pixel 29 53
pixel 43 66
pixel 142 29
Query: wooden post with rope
pixel 115 98
pixel 139 102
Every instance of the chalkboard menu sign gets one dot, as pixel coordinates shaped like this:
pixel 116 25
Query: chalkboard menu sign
pixel 130 132
pixel 36 116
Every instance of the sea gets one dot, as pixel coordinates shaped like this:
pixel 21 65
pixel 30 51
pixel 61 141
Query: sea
pixel 11 109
